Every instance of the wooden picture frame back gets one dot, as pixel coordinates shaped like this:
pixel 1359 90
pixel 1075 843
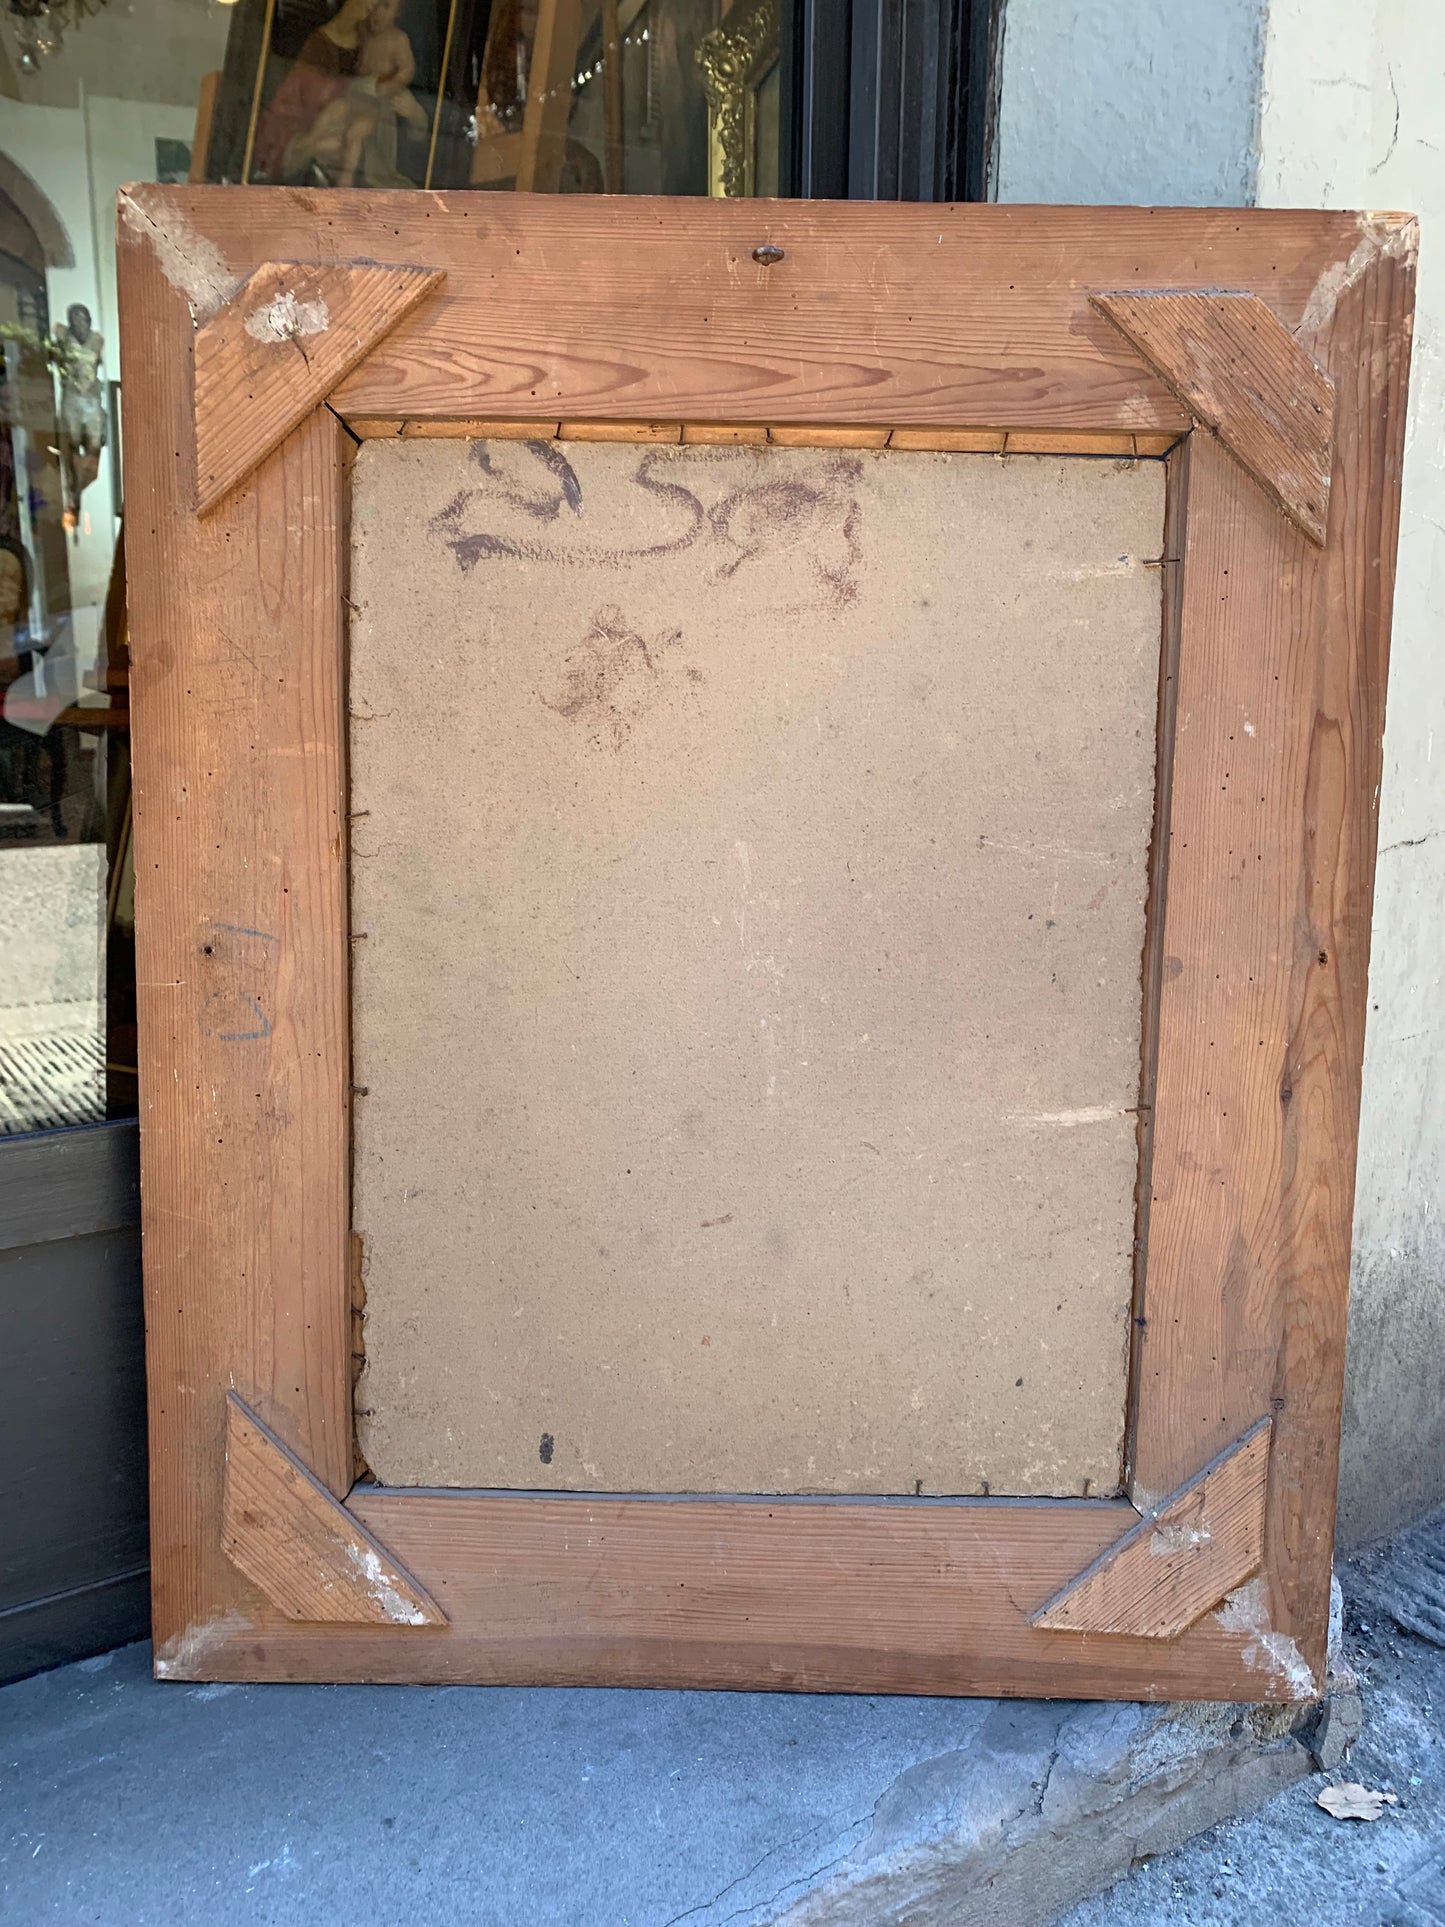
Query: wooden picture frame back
pixel 1267 352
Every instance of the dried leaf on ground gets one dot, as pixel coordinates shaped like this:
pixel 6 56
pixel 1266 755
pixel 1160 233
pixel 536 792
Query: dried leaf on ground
pixel 1354 1802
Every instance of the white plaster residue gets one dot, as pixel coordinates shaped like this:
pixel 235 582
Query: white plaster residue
pixel 1165 1540
pixel 1380 234
pixel 1066 1120
pixel 382 1585
pixel 284 1863
pixel 187 259
pixel 287 319
pixel 179 1657
pixel 1245 1611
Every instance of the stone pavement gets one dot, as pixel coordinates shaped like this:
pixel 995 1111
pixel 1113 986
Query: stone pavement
pixel 128 1803
pixel 1290 1862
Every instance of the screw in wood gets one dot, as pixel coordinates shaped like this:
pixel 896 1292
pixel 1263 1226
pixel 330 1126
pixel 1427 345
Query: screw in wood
pixel 767 254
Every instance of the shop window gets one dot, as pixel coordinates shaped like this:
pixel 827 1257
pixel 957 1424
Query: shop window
pixel 873 98
pixel 91 96
pixel 565 96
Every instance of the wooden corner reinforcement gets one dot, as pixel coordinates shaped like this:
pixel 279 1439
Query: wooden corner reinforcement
pixel 279 347
pixel 1240 371
pixel 1180 1559
pixel 313 1560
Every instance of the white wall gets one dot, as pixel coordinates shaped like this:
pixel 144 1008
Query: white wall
pixel 1352 114
pixel 139 50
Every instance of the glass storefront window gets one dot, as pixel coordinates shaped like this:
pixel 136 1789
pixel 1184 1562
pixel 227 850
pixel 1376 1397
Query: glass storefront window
pixel 735 97
pixel 567 96
pixel 561 96
pixel 87 100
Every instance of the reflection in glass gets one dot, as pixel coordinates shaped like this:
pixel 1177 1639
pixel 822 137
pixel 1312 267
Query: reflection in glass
pixel 546 96
pixel 554 96
pixel 358 102
pixel 742 73
pixel 116 100
pixel 54 721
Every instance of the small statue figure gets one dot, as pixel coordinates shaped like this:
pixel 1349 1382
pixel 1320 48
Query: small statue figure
pixel 77 351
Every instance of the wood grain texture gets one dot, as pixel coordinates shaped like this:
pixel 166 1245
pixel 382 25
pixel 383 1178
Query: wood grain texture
pixel 311 1558
pixel 266 359
pixel 901 1596
pixel 619 431
pixel 971 441
pixel 241 966
pixel 1064 441
pixel 652 310
pixel 1241 371
pixel 960 319
pixel 1266 939
pixel 822 436
pixel 725 434
pixel 467 430
pixel 1180 1559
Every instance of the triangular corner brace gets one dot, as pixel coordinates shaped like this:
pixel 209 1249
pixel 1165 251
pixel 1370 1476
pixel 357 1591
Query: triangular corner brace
pixel 1239 370
pixel 279 347
pixel 1180 1559
pixel 313 1560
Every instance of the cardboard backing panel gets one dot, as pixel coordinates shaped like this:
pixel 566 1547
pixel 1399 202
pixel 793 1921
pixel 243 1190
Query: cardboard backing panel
pixel 749 856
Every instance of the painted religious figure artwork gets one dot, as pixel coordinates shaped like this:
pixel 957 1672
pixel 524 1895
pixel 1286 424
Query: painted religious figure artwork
pixel 545 96
pixel 366 93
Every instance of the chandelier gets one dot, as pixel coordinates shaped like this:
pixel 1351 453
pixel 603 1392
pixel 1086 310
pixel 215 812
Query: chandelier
pixel 40 26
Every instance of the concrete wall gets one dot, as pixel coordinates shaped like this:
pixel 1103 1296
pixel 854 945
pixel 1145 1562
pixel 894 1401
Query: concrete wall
pixel 1353 115
pixel 1129 100
pixel 1313 103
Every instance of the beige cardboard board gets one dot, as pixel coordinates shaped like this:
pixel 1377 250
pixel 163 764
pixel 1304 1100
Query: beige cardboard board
pixel 751 854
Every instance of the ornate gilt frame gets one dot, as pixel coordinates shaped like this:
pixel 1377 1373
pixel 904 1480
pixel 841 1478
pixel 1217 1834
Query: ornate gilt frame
pixel 734 61
pixel 1263 356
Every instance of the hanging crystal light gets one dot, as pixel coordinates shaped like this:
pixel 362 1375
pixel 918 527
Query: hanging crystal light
pixel 40 25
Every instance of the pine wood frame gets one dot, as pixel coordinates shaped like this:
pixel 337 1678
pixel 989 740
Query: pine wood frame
pixel 264 333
